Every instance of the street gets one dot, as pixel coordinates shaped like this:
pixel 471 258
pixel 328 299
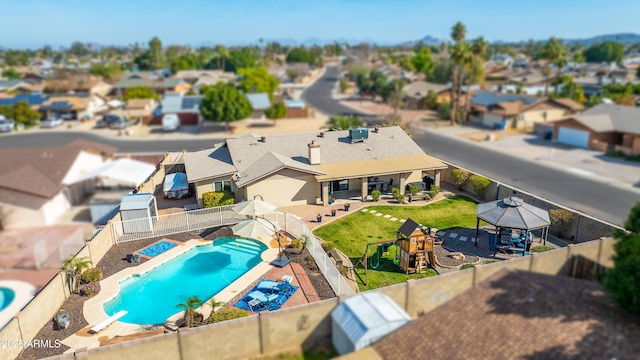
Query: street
pixel 607 202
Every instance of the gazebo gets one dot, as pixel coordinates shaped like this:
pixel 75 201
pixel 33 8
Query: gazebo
pixel 514 213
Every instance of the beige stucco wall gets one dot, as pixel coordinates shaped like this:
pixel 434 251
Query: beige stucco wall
pixel 531 117
pixel 204 186
pixel 285 188
pixel 22 210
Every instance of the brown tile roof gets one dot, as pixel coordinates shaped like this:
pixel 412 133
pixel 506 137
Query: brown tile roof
pixel 40 170
pixel 76 102
pixel 570 104
pixel 520 315
pixel 138 103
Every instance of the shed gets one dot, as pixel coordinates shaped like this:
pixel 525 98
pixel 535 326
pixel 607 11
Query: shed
pixel 139 212
pixel 362 319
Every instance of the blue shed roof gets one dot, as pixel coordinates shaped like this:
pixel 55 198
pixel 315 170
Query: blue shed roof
pixel 259 101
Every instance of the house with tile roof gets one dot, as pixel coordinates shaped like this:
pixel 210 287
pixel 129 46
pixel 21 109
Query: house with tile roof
pixel 66 106
pixel 603 127
pixel 39 184
pixel 310 168
pixel 518 111
pixel 154 80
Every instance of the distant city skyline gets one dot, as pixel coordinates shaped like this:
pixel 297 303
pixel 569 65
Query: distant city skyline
pixel 237 22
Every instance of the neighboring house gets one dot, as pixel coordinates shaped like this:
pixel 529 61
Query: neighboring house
pixel 208 77
pixel 309 168
pixel 13 86
pixel 504 59
pixel 418 90
pixel 73 106
pixel 518 111
pixel 77 83
pixel 260 102
pixel 515 314
pixel 603 127
pixel 140 107
pixel 186 107
pixel 39 184
pixel 156 81
pixel 296 108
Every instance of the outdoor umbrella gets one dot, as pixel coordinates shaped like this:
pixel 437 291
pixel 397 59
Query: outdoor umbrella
pixel 254 228
pixel 254 208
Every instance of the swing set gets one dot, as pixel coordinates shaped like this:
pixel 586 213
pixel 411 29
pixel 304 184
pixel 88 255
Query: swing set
pixel 373 261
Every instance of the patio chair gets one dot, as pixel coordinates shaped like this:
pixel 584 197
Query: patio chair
pixel 258 299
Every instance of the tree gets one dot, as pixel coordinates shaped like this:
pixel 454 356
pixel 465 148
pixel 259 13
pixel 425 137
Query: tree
pixel 11 74
pixel 222 53
pixel 224 103
pixel 153 58
pixel 16 58
pixel 578 57
pixel 313 57
pixel 110 71
pixel 554 53
pixel 257 80
pixel 394 95
pixel 421 62
pixel 458 32
pixel 292 74
pixel 441 72
pixel 140 92
pixel 21 112
pixel 239 59
pixel 444 110
pixel 73 267
pixel 623 281
pixel 345 122
pixel 189 307
pixel 476 72
pixel 431 100
pixel 479 183
pixel 214 304
pixel 276 111
pixel 78 49
pixel 607 51
pixel 461 56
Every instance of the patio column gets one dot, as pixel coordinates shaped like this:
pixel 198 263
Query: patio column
pixel 436 178
pixel 403 180
pixel 325 193
pixel 365 188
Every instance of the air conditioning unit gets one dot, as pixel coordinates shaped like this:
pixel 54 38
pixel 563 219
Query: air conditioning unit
pixel 358 134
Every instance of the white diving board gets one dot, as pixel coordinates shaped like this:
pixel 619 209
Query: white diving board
pixel 108 321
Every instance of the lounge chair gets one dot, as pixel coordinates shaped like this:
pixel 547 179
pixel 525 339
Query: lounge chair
pixel 108 321
pixel 259 299
pixel 276 286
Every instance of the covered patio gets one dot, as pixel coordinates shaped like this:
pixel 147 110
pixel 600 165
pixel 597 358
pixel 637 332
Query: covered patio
pixel 356 180
pixel 507 216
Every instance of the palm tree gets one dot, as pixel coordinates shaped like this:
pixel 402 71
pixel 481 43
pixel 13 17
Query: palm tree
pixel 479 47
pixel 223 54
pixel 461 57
pixel 214 304
pixel 458 32
pixel 344 122
pixel 560 63
pixel 553 52
pixel 189 307
pixel 73 267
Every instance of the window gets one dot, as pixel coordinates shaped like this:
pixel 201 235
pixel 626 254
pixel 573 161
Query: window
pixel 222 185
pixel 521 117
pixel 413 240
pixel 339 185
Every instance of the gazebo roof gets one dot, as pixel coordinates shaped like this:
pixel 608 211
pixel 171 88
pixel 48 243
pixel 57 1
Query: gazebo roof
pixel 512 212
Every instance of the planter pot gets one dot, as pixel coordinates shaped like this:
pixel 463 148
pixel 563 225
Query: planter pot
pixel 333 212
pixel 346 208
pixel 319 219
pixel 330 202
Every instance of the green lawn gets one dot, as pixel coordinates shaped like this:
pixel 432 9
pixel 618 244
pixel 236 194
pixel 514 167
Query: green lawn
pixel 352 233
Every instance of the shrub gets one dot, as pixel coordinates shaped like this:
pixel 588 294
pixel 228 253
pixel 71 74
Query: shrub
pixel 561 220
pixel 297 244
pixel 375 194
pixel 92 275
pixel 480 183
pixel 395 191
pixel 433 191
pixel 218 198
pixel 90 289
pixel 444 112
pixel 328 246
pixel 399 197
pixel 344 271
pixel 459 178
pixel 414 189
pixel 466 266
pixel 541 248
pixel 228 314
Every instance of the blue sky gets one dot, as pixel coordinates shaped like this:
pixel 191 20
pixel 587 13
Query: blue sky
pixel 59 22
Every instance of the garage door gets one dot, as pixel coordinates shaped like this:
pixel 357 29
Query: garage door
pixel 188 119
pixel 491 119
pixel 573 137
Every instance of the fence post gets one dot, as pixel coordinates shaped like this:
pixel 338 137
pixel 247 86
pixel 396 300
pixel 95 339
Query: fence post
pixel 220 210
pixel 186 214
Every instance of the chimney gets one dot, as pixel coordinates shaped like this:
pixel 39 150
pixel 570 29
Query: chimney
pixel 314 153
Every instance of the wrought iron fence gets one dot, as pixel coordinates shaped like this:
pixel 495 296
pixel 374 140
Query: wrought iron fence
pixel 129 230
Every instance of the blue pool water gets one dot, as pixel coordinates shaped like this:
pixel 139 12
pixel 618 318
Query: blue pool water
pixel 6 297
pixel 157 248
pixel 202 271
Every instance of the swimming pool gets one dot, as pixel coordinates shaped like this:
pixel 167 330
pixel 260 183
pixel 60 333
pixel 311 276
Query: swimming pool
pixel 157 248
pixel 202 271
pixel 6 297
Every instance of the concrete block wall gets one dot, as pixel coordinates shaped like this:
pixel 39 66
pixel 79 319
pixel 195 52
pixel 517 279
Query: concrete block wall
pixel 300 327
pixel 158 177
pixel 9 333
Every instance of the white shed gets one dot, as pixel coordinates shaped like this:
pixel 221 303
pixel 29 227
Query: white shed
pixel 139 213
pixel 363 319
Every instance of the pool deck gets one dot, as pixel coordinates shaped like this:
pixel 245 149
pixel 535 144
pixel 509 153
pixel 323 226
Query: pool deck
pixel 23 293
pixel 93 309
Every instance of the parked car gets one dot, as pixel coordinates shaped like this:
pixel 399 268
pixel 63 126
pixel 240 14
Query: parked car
pixel 119 124
pixel 6 125
pixel 52 122
pixel 175 186
pixel 106 120
pixel 68 116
